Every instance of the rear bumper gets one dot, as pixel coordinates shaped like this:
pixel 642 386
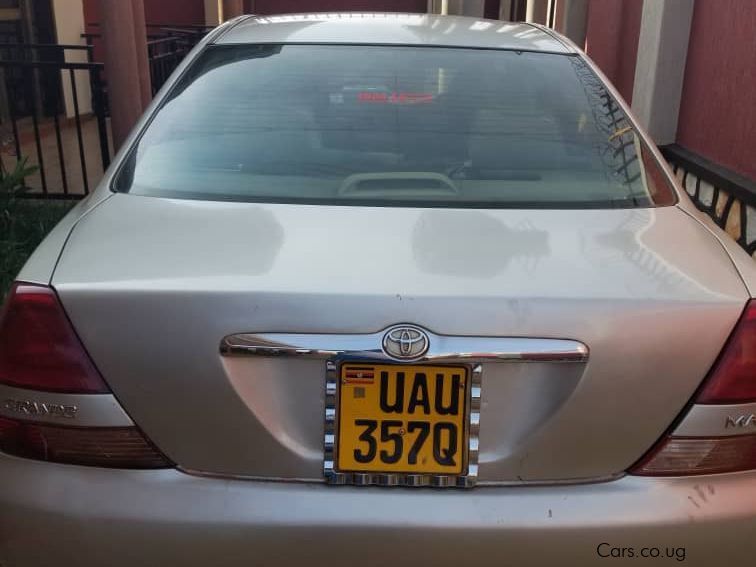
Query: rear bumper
pixel 67 515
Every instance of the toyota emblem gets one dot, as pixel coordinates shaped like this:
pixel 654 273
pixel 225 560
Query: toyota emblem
pixel 405 342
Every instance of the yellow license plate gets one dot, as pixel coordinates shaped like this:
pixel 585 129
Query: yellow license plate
pixel 402 419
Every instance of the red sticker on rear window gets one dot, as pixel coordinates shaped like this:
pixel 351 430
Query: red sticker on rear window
pixel 394 98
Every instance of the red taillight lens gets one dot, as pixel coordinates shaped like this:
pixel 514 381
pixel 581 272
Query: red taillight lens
pixel 733 378
pixel 117 447
pixel 39 349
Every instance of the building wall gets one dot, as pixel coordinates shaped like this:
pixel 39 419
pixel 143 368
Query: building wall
pixel 212 12
pixel 292 6
pixel 69 25
pixel 612 40
pixel 177 12
pixel 183 12
pixel 718 109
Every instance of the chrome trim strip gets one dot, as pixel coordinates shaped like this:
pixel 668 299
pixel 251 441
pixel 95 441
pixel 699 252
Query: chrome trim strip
pixel 479 484
pixel 443 348
pixel 329 435
pixel 703 420
pixel 79 410
pixel 469 351
pixel 473 448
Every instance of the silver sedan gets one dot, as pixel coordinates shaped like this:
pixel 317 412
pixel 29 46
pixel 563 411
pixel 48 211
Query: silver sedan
pixel 381 290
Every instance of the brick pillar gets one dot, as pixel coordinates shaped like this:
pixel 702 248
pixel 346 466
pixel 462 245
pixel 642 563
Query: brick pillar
pixel 512 10
pixel 122 66
pixel 232 8
pixel 140 43
pixel 572 19
pixel 537 11
pixel 213 15
pixel 660 69
pixel 612 32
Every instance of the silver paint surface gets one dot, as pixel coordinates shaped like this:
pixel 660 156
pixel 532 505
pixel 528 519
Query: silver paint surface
pixel 188 273
pixel 397 29
pixel 92 517
pixel 92 410
pixel 704 420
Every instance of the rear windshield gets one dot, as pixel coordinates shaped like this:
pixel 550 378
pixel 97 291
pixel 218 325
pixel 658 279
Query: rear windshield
pixel 393 126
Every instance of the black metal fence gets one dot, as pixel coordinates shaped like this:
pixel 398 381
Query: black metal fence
pixel 167 45
pixel 47 119
pixel 726 197
pixel 43 121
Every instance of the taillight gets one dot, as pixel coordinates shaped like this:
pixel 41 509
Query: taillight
pixel 117 447
pixel 732 381
pixel 680 456
pixel 41 354
pixel 39 349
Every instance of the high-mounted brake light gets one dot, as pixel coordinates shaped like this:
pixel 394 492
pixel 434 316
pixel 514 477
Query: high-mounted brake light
pixel 731 381
pixel 41 354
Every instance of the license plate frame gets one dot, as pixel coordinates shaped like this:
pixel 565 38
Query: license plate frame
pixel 463 476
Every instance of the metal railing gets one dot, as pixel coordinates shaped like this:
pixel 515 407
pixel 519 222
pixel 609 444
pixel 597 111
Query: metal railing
pixel 47 119
pixel 164 55
pixel 167 45
pixel 728 198
pixel 48 126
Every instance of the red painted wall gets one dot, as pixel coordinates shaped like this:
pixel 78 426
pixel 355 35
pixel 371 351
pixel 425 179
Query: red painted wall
pixel 184 12
pixel 179 12
pixel 293 6
pixel 718 109
pixel 612 40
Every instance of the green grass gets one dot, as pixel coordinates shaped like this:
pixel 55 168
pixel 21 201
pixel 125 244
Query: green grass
pixel 23 225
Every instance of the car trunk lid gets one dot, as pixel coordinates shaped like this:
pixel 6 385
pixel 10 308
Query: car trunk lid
pixel 153 286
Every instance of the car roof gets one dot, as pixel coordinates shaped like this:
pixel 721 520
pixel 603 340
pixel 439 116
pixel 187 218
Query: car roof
pixel 393 29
